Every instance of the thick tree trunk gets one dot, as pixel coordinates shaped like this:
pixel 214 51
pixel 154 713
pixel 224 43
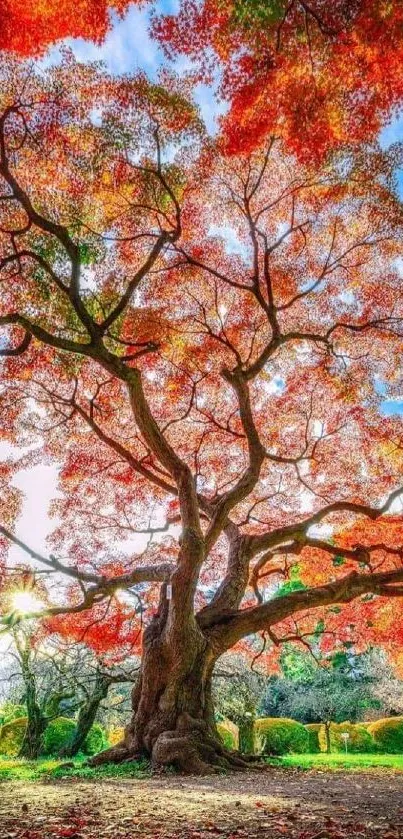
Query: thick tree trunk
pixel 173 719
pixel 36 719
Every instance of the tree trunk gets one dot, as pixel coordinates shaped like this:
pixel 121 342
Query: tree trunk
pixel 327 733
pixel 246 734
pixel 86 717
pixel 36 720
pixel 173 720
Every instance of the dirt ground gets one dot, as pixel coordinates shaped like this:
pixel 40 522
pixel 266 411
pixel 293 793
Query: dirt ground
pixel 270 804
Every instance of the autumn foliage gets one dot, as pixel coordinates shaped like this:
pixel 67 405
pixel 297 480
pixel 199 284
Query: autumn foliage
pixel 28 27
pixel 321 75
pixel 200 333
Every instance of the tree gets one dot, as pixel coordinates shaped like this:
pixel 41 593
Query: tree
pixel 27 28
pixel 44 689
pixel 338 689
pixel 321 75
pixel 197 341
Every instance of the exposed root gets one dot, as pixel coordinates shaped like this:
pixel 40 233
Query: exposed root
pixel 117 754
pixel 192 748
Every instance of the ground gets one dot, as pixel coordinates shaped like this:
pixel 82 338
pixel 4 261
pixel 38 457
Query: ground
pixel 273 803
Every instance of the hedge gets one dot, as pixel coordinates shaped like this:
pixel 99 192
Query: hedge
pixel 96 740
pixel 360 739
pixel 58 733
pixel 229 734
pixel 279 736
pixel 12 736
pixel 313 729
pixel 388 734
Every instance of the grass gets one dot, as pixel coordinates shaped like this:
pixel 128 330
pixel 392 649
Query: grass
pixel 340 761
pixel 18 769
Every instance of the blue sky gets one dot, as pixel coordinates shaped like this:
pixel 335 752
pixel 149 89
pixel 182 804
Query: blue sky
pixel 129 47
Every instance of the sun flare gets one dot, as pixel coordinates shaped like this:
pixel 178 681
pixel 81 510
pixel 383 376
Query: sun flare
pixel 25 602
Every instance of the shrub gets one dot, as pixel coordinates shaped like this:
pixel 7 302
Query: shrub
pixel 388 734
pixel 9 712
pixel 12 736
pixel 228 733
pixel 279 736
pixel 58 733
pixel 360 739
pixel 115 735
pixel 313 730
pixel 96 740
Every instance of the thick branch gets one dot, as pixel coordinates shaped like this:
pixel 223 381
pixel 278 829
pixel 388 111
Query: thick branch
pixel 229 629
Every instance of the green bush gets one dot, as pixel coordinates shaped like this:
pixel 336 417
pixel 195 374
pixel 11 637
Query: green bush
pixel 388 735
pixel 228 733
pixel 360 739
pixel 9 712
pixel 12 736
pixel 313 730
pixel 58 733
pixel 96 740
pixel 280 736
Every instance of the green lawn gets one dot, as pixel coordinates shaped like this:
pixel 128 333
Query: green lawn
pixel 16 769
pixel 340 761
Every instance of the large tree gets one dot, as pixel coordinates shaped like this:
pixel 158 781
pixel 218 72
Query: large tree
pixel 198 342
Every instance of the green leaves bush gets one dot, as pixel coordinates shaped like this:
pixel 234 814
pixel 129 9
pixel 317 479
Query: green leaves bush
pixel 96 740
pixel 11 737
pixel 313 730
pixel 228 733
pixel 359 740
pixel 388 735
pixel 58 733
pixel 280 736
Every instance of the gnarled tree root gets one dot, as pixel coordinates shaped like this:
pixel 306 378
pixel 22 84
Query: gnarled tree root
pixel 191 748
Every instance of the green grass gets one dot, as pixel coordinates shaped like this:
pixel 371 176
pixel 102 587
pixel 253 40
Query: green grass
pixel 340 761
pixel 16 769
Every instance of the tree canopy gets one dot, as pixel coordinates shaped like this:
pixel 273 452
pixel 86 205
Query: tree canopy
pixel 200 332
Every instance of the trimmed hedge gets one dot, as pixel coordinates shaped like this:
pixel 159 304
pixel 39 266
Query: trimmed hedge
pixel 115 735
pixel 313 729
pixel 12 736
pixel 360 739
pixel 58 733
pixel 280 736
pixel 388 734
pixel 10 712
pixel 96 740
pixel 229 734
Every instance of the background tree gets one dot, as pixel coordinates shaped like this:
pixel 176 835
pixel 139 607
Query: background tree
pixel 336 691
pixel 197 341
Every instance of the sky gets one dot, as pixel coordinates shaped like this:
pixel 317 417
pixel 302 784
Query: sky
pixel 128 47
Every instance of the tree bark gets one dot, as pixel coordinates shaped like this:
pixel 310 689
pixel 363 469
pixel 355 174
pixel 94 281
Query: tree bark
pixel 327 733
pixel 86 716
pixel 36 719
pixel 173 719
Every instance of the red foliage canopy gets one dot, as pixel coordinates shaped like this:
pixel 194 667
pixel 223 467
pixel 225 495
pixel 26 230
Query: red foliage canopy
pixel 28 27
pixel 321 75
